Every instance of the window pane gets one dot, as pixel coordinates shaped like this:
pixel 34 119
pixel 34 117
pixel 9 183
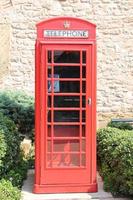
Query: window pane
pixel 66 160
pixel 83 130
pixel 49 131
pixel 66 131
pixel 67 71
pixel 84 86
pixel 83 159
pixel 66 56
pixel 49 115
pixel 66 116
pixel 48 145
pixel 83 101
pixel 83 116
pixel 83 145
pixel 68 86
pixel 84 57
pixel 49 101
pixel 67 101
pixel 66 145
pixel 49 71
pixel 83 72
pixel 49 59
pixel 49 161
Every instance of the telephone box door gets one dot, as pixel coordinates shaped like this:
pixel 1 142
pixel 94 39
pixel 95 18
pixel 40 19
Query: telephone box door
pixel 67 107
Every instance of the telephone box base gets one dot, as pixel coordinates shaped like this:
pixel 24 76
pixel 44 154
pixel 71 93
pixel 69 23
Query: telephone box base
pixel 70 188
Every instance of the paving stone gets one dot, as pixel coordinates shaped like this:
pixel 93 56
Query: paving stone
pixel 100 195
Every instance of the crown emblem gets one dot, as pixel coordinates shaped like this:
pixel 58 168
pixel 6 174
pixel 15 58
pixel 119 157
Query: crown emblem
pixel 66 24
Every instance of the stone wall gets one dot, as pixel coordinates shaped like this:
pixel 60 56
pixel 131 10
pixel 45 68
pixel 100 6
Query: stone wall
pixel 114 20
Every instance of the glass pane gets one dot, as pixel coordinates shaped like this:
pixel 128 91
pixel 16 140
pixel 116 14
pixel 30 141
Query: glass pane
pixel 49 161
pixel 66 116
pixel 83 72
pixel 83 145
pixel 67 71
pixel 56 85
pixel 68 86
pixel 48 145
pixel 67 101
pixel 83 102
pixel 84 86
pixel 66 145
pixel 66 160
pixel 49 115
pixel 49 60
pixel 49 71
pixel 84 57
pixel 66 131
pixel 83 130
pixel 83 160
pixel 66 56
pixel 49 86
pixel 49 101
pixel 83 116
pixel 49 130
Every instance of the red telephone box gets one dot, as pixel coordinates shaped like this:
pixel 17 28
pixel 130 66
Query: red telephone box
pixel 65 122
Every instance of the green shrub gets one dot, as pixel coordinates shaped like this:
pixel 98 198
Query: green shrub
pixel 120 125
pixel 18 173
pixel 115 160
pixel 8 192
pixel 3 146
pixel 20 108
pixel 9 145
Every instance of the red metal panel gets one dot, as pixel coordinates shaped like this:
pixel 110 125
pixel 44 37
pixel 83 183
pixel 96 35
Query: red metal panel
pixel 58 24
pixel 37 112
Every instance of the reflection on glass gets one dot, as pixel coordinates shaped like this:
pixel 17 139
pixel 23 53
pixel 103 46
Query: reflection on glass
pixel 66 145
pixel 66 116
pixel 66 56
pixel 56 84
pixel 66 160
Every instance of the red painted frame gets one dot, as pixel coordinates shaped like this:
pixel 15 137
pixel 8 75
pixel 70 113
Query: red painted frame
pixel 44 182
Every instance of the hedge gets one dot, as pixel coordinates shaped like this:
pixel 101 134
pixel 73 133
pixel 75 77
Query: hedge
pixel 19 107
pixel 9 145
pixel 121 125
pixel 115 160
pixel 13 166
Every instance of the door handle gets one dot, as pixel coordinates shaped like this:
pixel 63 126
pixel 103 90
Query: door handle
pixel 89 101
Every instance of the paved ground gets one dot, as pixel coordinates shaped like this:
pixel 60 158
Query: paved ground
pixel 28 195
